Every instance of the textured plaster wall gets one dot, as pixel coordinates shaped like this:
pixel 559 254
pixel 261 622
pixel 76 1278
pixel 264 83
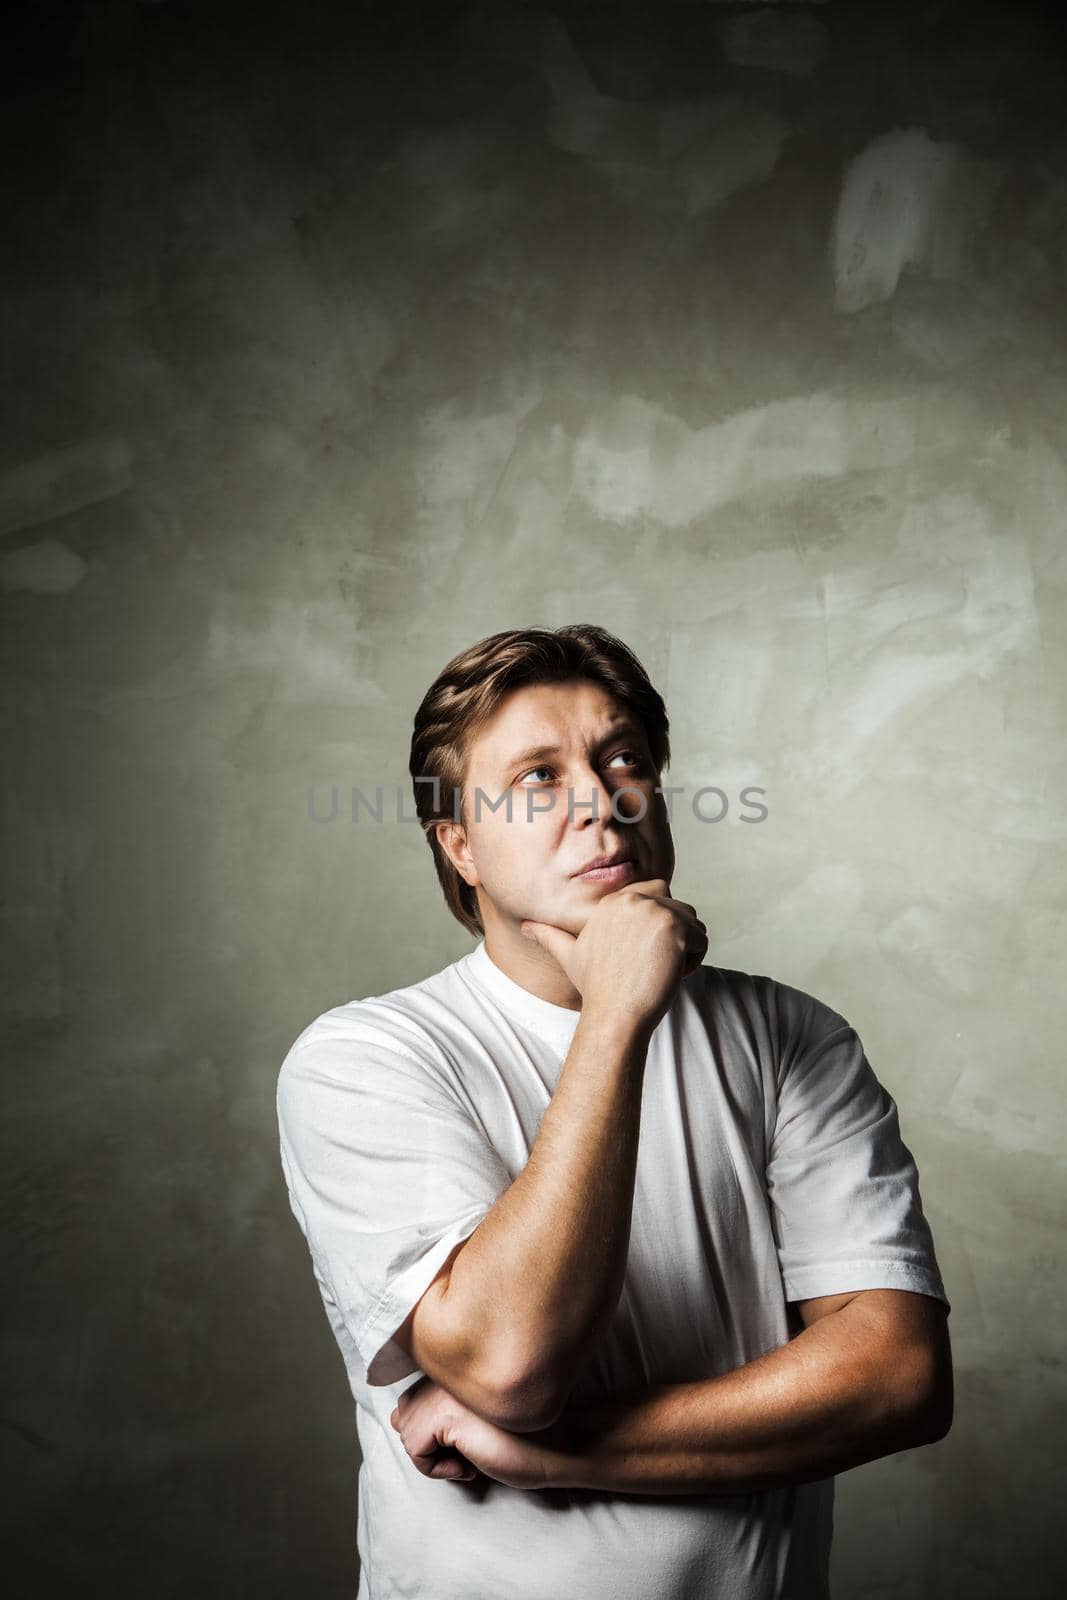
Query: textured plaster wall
pixel 337 338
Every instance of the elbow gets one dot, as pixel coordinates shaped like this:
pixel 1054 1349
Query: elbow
pixel 928 1426
pixel 528 1403
pixel 929 1401
pixel 936 1418
pixel 515 1418
pixel 520 1411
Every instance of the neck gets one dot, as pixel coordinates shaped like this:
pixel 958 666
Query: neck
pixel 526 963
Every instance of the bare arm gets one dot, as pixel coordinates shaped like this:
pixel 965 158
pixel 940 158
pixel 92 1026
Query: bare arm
pixel 537 1282
pixel 870 1374
pixel 507 1324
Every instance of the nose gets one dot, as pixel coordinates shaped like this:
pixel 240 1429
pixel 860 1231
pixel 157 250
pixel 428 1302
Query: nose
pixel 591 799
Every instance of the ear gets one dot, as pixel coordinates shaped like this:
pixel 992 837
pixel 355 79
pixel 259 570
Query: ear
pixel 452 838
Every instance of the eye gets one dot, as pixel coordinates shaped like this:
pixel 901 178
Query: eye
pixel 636 764
pixel 535 769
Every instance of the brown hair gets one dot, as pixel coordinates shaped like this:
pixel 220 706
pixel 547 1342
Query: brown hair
pixel 466 693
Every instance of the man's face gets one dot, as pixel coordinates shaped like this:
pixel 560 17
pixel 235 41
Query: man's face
pixel 543 741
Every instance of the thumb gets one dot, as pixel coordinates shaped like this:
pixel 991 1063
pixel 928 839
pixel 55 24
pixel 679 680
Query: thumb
pixel 557 941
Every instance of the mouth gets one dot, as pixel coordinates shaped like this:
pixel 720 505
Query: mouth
pixel 614 868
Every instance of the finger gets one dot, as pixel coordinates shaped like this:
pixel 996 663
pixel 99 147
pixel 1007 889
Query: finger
pixel 672 900
pixel 686 914
pixel 395 1418
pixel 657 889
pixel 422 1440
pixel 438 1460
pixel 557 941
pixel 696 950
pixel 678 905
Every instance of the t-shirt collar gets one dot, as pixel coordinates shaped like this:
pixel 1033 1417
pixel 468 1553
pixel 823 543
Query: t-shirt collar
pixel 555 1024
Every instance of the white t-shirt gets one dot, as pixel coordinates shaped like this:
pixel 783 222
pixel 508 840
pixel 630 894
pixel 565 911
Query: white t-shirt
pixel 770 1168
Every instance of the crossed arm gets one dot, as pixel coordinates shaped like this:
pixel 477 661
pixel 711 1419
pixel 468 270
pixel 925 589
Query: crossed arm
pixel 504 1333
pixel 870 1373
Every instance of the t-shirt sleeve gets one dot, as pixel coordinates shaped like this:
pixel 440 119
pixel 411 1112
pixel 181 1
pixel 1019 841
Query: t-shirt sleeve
pixel 387 1173
pixel 843 1185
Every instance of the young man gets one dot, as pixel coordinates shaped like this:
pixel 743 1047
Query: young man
pixel 644 1227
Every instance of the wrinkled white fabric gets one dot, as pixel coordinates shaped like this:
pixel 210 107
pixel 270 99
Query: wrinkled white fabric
pixel 770 1168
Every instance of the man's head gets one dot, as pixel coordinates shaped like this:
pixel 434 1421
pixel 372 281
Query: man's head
pixel 534 728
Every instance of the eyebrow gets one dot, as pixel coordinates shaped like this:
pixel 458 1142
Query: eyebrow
pixel 537 752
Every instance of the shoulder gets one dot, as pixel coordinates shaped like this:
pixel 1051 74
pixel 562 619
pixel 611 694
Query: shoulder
pixel 400 1028
pixel 775 1016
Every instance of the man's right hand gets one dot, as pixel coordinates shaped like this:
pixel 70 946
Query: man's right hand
pixel 635 949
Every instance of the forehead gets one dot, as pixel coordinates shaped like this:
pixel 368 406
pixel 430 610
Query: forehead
pixel 548 713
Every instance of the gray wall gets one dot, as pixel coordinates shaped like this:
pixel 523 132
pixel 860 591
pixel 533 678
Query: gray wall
pixel 338 340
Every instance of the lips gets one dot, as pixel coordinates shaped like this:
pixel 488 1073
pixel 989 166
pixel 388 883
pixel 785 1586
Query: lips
pixel 613 860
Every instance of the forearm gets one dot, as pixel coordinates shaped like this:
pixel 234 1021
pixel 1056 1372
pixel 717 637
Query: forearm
pixel 538 1281
pixel 822 1403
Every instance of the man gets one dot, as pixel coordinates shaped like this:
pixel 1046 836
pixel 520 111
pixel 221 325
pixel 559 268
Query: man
pixel 644 1227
